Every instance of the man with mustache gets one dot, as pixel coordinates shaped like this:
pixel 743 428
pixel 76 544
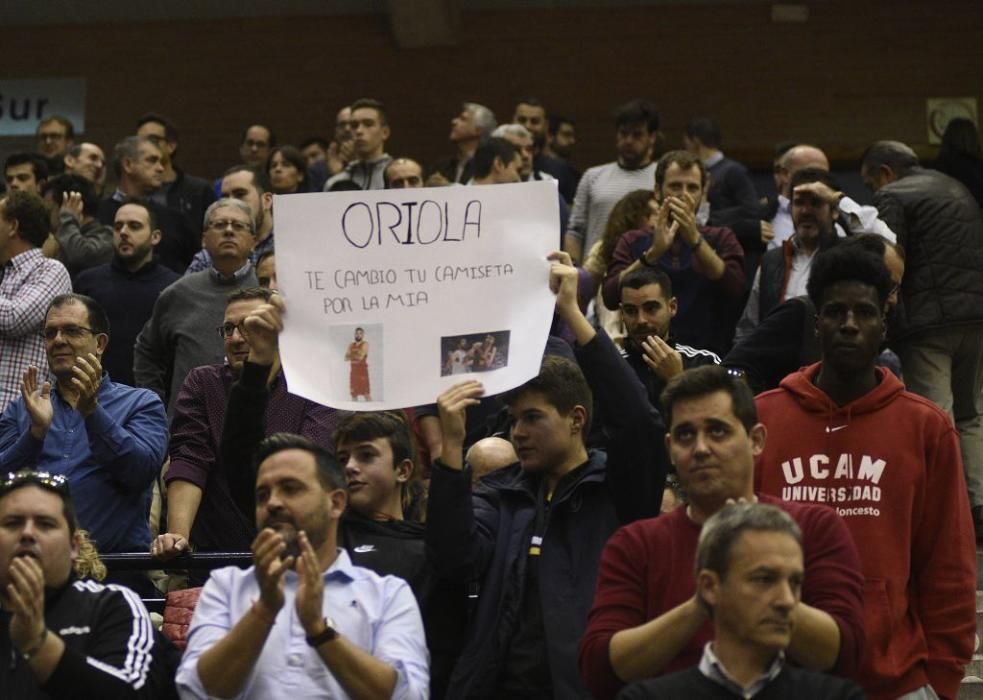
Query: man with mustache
pixel 784 270
pixel 647 307
pixel 303 621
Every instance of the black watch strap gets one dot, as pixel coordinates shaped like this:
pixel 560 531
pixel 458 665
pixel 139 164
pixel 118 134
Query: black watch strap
pixel 329 634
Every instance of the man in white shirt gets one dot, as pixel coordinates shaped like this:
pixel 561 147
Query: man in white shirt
pixel 303 621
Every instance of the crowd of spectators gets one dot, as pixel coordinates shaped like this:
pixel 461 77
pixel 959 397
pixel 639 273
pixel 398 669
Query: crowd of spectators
pixel 751 463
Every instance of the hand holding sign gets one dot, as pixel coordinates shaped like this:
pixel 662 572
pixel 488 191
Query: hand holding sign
pixel 263 328
pixel 452 405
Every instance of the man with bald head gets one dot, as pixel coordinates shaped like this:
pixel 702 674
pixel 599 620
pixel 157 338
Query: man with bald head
pixel 939 335
pixel 859 219
pixel 87 160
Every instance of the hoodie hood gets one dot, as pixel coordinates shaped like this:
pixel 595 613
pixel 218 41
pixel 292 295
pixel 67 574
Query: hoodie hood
pixel 801 386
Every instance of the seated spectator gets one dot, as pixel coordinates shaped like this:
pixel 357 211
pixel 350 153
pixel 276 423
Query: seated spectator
pixel 376 450
pixel 370 131
pixel 531 114
pixel 180 334
pixel 183 193
pixel 107 438
pixel 784 271
pixel 201 509
pixel 333 628
pixel 522 139
pixel 532 533
pixel 253 187
pixel 127 288
pixel 705 264
pixel 749 576
pixel 255 145
pixel 960 156
pixel 287 170
pixel 55 135
pixel 87 160
pixel 489 455
pixel 856 218
pixel 266 269
pixel 633 211
pixel 646 619
pixel 847 433
pixel 314 150
pixel 731 193
pixel 25 172
pixel 648 307
pixel 469 129
pixel 403 173
pixel 80 241
pixel 29 283
pixel 785 340
pixel 496 162
pixel 63 637
pixel 138 162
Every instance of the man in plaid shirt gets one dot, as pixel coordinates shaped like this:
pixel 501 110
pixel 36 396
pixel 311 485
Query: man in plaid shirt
pixel 28 283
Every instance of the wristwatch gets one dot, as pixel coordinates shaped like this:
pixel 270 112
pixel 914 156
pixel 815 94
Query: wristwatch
pixel 699 242
pixel 329 634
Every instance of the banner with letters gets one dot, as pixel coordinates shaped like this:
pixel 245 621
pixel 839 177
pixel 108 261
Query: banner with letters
pixel 394 295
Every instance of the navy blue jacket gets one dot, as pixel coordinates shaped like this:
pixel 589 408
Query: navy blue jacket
pixel 485 538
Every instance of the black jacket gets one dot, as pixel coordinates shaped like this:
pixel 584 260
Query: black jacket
pixel 938 222
pixel 486 538
pixel 107 624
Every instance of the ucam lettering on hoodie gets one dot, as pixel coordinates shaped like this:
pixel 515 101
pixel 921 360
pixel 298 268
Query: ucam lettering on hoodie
pixel 889 463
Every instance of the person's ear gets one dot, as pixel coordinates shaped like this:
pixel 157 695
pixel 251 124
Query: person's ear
pixel 155 237
pixel 708 588
pixel 337 502
pixel 578 419
pixel 404 470
pixel 102 340
pixel 673 307
pixel 758 435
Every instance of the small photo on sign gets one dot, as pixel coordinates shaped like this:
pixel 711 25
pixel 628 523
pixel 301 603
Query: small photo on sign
pixel 474 352
pixel 355 359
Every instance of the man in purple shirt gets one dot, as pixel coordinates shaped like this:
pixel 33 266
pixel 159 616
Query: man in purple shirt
pixel 200 507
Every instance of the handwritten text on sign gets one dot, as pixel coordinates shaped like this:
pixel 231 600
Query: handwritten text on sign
pixel 383 276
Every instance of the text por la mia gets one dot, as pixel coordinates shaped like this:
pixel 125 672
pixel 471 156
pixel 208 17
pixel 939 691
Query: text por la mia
pixel 409 223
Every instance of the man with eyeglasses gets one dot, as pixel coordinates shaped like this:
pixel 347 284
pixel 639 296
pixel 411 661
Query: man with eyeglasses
pixel 60 636
pixel 180 334
pixel 55 135
pixel 29 282
pixel 201 509
pixel 846 434
pixel 108 439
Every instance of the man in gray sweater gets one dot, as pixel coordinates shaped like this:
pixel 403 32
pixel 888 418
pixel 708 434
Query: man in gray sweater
pixel 183 331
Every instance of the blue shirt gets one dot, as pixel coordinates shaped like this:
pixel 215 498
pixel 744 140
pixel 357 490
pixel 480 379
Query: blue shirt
pixel 110 458
pixel 376 613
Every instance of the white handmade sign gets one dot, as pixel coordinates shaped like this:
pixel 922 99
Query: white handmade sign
pixel 394 295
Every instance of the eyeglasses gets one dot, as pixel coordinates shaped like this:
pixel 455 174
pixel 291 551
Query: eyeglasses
pixel 227 329
pixel 237 226
pixel 52 482
pixel 51 137
pixel 71 332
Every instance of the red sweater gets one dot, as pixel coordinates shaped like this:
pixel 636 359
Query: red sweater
pixel 647 569
pixel 889 463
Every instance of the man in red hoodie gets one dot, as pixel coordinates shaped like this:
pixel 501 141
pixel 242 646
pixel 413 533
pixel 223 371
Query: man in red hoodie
pixel 845 433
